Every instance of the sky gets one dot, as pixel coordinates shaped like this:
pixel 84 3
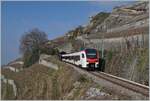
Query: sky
pixel 55 18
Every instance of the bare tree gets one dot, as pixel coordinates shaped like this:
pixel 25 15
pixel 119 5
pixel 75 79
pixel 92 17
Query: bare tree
pixel 31 40
pixel 30 44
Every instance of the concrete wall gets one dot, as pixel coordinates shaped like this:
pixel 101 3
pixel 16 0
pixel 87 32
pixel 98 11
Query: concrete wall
pixel 141 23
pixel 48 64
pixel 120 42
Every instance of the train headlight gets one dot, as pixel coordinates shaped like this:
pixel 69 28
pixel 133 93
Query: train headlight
pixel 97 65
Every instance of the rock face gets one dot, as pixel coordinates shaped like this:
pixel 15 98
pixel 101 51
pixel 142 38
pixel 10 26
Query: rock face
pixel 126 16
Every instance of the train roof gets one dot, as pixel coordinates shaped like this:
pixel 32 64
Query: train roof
pixel 78 51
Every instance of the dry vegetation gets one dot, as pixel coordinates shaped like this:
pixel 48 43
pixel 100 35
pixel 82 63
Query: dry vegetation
pixel 7 91
pixel 129 64
pixel 40 82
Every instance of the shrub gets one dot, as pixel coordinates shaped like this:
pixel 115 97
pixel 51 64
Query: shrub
pixel 31 58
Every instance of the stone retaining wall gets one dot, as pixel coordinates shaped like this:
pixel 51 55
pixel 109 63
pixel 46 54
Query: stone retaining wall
pixel 120 42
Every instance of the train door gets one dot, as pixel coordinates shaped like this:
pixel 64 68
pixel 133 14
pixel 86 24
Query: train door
pixel 83 60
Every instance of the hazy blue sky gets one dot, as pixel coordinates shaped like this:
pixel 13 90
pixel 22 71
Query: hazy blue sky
pixel 53 17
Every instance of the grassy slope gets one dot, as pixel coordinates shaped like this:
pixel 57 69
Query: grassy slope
pixel 40 82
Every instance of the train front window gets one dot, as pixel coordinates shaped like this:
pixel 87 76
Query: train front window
pixel 82 55
pixel 91 53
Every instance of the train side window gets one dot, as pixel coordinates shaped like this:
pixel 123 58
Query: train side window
pixel 75 58
pixel 82 55
pixel 71 57
pixel 79 57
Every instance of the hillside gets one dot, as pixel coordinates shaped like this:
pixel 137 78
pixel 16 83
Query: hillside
pixel 123 21
pixel 123 35
pixel 43 82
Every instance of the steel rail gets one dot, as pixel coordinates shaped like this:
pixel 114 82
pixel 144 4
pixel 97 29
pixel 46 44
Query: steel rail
pixel 127 84
pixel 136 87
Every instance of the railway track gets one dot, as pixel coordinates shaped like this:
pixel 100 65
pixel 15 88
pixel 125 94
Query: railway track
pixel 136 87
pixel 117 84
